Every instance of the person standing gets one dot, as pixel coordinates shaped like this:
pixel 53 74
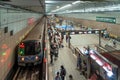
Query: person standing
pixel 62 37
pixel 62 72
pixel 78 62
pixel 51 53
pixel 66 38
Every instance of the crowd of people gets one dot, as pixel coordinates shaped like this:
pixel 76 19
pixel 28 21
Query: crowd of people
pixel 56 40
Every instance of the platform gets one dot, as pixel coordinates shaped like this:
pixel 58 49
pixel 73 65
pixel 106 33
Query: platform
pixel 69 61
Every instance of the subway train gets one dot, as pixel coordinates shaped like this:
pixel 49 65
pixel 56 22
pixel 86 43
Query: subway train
pixel 30 49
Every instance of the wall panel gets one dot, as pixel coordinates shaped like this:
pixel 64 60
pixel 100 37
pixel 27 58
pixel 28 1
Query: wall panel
pixel 16 21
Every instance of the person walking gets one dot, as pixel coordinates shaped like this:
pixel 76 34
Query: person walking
pixel 84 68
pixel 62 72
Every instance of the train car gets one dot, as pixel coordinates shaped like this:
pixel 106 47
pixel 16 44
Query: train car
pixel 29 52
pixel 30 49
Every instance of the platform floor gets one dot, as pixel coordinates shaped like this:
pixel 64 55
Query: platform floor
pixel 69 60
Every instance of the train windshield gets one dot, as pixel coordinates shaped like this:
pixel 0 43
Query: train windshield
pixel 32 47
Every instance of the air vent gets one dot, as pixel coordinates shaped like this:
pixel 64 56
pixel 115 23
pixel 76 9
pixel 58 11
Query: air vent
pixel 5 29
pixel 11 32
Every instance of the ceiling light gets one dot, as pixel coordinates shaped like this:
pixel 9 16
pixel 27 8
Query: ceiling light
pixel 49 1
pixel 76 2
pixel 68 5
pixel 58 7
pixel 67 10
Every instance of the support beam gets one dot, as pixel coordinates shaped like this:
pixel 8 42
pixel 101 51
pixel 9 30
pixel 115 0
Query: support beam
pixel 42 5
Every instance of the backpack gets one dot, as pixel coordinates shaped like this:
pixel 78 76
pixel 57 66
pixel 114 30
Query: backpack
pixel 63 72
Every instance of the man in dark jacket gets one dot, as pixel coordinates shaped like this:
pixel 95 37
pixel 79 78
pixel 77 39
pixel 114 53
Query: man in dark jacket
pixel 63 72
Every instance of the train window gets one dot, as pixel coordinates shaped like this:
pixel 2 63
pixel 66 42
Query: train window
pixel 38 47
pixel 32 47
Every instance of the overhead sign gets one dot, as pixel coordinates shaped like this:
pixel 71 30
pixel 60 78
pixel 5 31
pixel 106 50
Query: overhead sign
pixel 106 19
pixel 72 32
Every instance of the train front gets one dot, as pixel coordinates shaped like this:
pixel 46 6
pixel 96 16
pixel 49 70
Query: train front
pixel 29 53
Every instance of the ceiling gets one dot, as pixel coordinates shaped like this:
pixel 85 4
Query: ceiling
pixel 56 6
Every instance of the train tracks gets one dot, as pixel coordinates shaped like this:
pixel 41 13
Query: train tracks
pixel 29 73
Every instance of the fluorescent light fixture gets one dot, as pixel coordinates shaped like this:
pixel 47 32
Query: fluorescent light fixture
pixel 109 74
pixel 57 6
pixel 96 32
pixel 68 5
pixel 67 10
pixel 73 33
pixel 105 68
pixel 91 52
pixel 89 32
pixel 76 2
pixel 85 32
pixel 49 1
pixel 99 62
pixel 80 32
pixel 93 56
pixel 95 9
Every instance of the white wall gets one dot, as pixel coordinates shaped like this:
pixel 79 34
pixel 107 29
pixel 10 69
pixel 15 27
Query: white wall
pixel 92 16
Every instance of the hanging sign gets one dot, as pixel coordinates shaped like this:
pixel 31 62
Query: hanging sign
pixel 106 19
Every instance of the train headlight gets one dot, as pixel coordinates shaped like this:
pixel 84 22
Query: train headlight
pixel 22 59
pixel 36 57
